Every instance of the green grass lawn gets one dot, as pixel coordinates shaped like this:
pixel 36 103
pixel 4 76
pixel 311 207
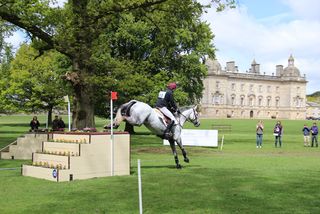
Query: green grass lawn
pixel 237 179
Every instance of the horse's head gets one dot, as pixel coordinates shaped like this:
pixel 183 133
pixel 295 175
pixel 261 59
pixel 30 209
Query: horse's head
pixel 191 115
pixel 194 117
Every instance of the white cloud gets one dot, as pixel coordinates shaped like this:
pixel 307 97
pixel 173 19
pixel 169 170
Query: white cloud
pixel 306 9
pixel 270 41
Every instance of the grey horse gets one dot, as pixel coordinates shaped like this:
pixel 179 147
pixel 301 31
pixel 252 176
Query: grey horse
pixel 137 113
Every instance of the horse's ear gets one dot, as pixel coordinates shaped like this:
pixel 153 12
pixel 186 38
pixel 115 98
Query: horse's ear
pixel 197 108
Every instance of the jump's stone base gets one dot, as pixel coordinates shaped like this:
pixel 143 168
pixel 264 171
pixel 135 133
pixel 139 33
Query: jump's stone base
pixel 73 156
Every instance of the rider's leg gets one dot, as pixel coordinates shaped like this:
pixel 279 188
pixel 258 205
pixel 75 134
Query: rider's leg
pixel 169 130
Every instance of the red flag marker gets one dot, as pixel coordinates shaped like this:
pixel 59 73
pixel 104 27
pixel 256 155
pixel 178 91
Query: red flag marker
pixel 114 95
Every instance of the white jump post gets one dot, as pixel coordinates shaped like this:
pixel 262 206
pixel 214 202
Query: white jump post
pixel 221 146
pixel 140 187
pixel 113 97
pixel 66 99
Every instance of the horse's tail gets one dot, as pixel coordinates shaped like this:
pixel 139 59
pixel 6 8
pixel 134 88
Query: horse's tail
pixel 122 113
pixel 118 119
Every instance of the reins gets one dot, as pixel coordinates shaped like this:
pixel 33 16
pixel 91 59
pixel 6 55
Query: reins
pixel 187 118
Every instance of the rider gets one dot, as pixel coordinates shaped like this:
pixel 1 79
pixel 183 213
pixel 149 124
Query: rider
pixel 167 106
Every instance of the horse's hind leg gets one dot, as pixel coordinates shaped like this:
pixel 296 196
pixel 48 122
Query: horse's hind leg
pixel 174 151
pixel 184 153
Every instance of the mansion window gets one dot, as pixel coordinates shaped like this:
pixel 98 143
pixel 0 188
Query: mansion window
pixel 251 101
pixel 233 100
pixel 242 101
pixel 269 101
pixel 269 89
pixel 260 88
pixel 242 87
pixel 260 101
pixel 277 89
pixel 217 99
pixel 298 101
pixel 277 102
pixel 251 88
pixel 233 86
pixel 217 84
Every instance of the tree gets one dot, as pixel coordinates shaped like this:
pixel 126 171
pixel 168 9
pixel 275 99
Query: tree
pixel 35 84
pixel 6 57
pixel 119 45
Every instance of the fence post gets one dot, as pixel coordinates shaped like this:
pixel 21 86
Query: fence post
pixel 140 187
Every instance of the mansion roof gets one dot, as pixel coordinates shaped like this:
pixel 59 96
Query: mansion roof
pixel 289 73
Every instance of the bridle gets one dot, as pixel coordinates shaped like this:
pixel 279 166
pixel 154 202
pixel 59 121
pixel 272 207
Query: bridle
pixel 195 121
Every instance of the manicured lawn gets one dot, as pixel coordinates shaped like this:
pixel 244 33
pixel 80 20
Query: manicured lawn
pixel 238 179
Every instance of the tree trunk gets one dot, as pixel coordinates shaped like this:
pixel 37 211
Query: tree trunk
pixel 49 117
pixel 83 108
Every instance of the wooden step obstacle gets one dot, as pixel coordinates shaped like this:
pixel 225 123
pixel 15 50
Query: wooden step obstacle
pixel 24 146
pixel 72 156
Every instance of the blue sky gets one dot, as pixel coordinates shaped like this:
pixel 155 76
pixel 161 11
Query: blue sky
pixel 267 31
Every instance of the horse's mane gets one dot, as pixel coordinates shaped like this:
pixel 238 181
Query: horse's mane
pixel 183 108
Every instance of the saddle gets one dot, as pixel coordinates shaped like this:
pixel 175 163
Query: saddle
pixel 166 120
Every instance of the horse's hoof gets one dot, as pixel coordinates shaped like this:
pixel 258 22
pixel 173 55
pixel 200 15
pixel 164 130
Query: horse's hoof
pixel 107 127
pixel 186 160
pixel 179 166
pixel 168 136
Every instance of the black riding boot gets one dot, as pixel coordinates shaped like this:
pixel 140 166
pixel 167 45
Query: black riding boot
pixel 167 133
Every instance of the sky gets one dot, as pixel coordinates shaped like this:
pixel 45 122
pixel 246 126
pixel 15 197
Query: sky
pixel 268 31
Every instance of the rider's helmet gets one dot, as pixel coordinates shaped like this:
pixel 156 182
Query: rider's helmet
pixel 172 85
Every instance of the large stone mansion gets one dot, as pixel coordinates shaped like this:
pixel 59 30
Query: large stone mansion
pixel 231 94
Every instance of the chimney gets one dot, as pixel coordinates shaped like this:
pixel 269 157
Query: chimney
pixel 279 70
pixel 230 66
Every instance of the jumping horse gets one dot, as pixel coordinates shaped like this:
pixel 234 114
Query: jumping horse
pixel 137 113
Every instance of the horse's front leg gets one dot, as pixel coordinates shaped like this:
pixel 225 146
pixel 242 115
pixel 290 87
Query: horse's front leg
pixel 184 153
pixel 174 151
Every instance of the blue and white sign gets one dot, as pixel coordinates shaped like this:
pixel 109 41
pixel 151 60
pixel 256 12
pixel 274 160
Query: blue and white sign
pixel 193 137
pixel 54 173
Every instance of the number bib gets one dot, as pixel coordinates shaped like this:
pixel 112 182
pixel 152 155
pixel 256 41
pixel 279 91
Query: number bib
pixel 162 94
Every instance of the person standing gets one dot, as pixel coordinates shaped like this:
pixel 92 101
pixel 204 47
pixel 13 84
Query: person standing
pixel 277 132
pixel 259 132
pixel 306 135
pixel 314 134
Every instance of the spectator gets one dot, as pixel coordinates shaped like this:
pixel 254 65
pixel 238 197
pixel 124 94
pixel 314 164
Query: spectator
pixel 61 124
pixel 259 132
pixel 306 135
pixel 34 124
pixel 314 134
pixel 55 123
pixel 277 132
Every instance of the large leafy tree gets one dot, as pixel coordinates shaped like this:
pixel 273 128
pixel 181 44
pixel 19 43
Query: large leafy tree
pixel 133 46
pixel 35 84
pixel 6 56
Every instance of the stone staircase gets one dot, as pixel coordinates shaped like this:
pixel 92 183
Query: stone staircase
pixel 72 156
pixel 24 146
